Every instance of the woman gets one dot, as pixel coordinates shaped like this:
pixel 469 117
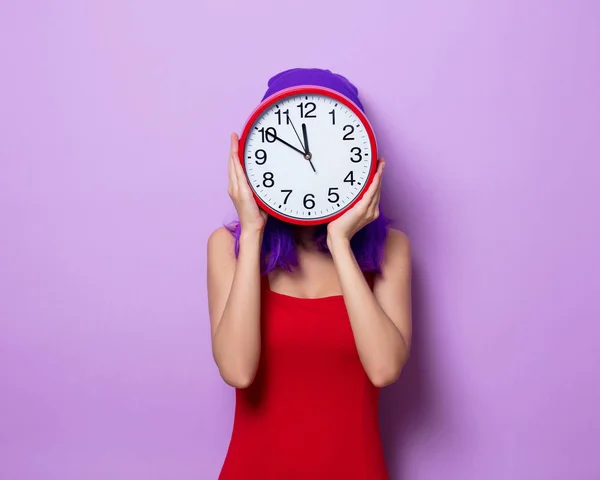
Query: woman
pixel 308 323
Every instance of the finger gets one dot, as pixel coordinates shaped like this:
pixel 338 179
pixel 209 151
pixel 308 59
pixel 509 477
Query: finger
pixel 367 200
pixel 241 180
pixel 235 153
pixel 233 184
pixel 375 201
pixel 374 187
pixel 380 166
pixel 372 210
pixel 379 174
pixel 234 143
pixel 377 197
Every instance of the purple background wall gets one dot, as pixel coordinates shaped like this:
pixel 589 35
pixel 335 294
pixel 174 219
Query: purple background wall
pixel 114 129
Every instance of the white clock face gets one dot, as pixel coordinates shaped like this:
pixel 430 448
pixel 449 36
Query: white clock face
pixel 308 157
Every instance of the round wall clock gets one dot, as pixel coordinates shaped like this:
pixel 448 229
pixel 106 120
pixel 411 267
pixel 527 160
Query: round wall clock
pixel 309 154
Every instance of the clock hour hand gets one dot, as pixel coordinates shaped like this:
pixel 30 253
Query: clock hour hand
pixel 307 153
pixel 307 150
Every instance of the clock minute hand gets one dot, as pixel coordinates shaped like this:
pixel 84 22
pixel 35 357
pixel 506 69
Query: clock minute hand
pixel 289 145
pixel 296 132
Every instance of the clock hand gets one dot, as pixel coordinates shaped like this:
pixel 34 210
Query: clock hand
pixel 307 155
pixel 306 149
pixel 291 146
pixel 296 132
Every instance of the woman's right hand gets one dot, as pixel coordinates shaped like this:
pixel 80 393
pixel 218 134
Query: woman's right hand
pixel 251 217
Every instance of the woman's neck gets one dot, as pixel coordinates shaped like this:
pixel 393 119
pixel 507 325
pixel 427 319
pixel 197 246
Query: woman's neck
pixel 305 237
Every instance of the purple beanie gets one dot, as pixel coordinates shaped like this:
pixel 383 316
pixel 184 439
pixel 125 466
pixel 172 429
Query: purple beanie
pixel 313 76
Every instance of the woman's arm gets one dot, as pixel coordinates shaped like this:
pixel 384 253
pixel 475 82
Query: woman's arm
pixel 234 284
pixel 234 305
pixel 381 318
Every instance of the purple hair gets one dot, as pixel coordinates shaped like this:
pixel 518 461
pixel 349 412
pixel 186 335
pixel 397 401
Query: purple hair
pixel 279 240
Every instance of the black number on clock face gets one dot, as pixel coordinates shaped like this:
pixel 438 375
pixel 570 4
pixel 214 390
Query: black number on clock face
pixel 309 202
pixel 287 116
pixel 289 192
pixel 260 155
pixel 332 113
pixel 350 130
pixel 268 179
pixel 307 109
pixel 332 195
pixel 357 154
pixel 350 178
pixel 269 134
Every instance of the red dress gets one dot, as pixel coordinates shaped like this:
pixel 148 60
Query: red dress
pixel 311 412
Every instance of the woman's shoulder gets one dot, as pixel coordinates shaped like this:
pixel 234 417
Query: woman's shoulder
pixel 221 234
pixel 397 239
pixel 397 247
pixel 221 241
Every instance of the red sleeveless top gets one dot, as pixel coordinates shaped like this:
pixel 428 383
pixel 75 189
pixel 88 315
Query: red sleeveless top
pixel 311 412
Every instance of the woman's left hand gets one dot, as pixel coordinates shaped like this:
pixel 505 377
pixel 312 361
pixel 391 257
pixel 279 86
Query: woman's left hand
pixel 364 212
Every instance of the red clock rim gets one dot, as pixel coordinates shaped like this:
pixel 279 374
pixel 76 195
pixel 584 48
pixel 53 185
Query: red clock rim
pixel 309 90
